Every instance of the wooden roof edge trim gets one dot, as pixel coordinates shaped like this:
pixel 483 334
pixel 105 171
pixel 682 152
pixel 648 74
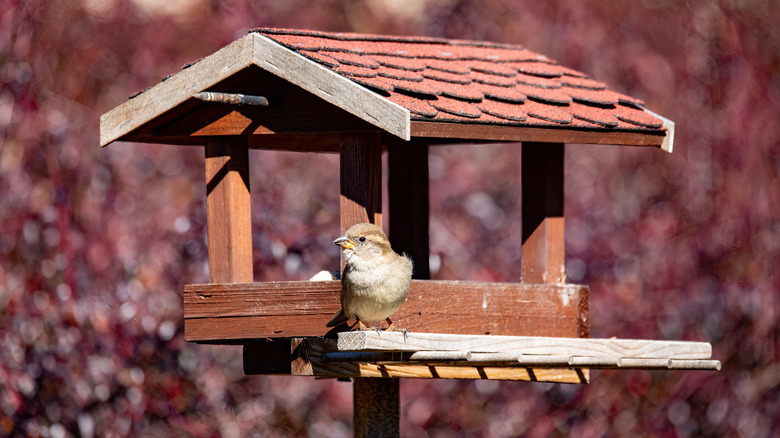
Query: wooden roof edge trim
pixel 668 143
pixel 461 132
pixel 166 95
pixel 331 87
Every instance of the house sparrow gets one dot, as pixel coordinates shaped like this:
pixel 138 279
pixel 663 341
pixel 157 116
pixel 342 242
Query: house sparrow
pixel 375 280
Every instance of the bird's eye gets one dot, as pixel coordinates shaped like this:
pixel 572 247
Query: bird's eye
pixel 362 239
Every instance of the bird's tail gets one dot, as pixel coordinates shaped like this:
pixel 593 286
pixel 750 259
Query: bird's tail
pixel 338 318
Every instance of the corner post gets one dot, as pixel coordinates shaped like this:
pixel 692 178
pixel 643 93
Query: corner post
pixel 228 210
pixel 542 256
pixel 376 401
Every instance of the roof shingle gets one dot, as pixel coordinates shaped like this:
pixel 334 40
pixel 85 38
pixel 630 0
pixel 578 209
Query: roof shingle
pixel 467 81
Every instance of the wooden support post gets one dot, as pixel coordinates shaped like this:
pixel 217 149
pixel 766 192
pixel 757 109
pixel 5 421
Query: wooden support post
pixel 228 211
pixel 377 409
pixel 361 179
pixel 542 255
pixel 407 187
pixel 375 401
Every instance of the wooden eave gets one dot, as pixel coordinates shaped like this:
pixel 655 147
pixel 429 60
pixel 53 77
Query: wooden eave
pixel 309 106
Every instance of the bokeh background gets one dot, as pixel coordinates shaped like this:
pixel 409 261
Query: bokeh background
pixel 96 244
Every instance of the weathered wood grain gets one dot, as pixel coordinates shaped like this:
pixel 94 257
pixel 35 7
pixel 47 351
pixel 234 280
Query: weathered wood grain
pixel 230 312
pixel 623 348
pixel 176 90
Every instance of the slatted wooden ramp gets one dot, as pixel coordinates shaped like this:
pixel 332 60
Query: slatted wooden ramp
pixel 431 355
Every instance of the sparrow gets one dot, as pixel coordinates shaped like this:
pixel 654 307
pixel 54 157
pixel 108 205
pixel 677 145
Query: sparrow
pixel 375 280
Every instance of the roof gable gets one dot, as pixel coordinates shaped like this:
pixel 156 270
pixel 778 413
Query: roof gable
pixel 402 84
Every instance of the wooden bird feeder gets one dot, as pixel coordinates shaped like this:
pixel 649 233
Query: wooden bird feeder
pixel 359 96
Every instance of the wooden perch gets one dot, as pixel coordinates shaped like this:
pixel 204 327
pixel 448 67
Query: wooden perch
pixel 231 98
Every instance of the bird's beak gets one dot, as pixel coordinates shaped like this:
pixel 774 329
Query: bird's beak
pixel 344 242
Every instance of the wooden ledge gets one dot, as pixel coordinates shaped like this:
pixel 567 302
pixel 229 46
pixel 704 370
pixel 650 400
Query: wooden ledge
pixel 230 313
pixel 370 340
pixel 436 355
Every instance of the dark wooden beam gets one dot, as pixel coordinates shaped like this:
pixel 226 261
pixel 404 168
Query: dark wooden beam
pixel 228 210
pixel 376 407
pixel 227 313
pixel 542 254
pixel 408 203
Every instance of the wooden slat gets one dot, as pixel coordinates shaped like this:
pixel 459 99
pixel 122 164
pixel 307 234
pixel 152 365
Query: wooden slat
pixel 542 255
pixel 229 312
pixel 228 210
pixel 407 187
pixel 504 133
pixel 624 348
pixel 308 360
pixel 360 162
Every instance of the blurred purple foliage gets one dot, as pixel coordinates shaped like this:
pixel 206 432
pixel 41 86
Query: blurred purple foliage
pixel 95 245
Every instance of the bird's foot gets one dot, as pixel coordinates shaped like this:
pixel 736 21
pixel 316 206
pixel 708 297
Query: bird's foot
pixel 392 328
pixel 358 325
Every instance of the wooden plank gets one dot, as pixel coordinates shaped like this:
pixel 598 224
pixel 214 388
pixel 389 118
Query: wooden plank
pixel 331 87
pixel 408 203
pixel 308 360
pixel 505 133
pixel 230 312
pixel 542 255
pixel 166 95
pixel 624 348
pixel 228 210
pixel 360 163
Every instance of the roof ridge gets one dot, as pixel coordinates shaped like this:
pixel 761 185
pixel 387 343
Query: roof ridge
pixel 355 36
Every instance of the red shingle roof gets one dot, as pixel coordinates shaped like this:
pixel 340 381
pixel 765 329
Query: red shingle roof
pixel 474 82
